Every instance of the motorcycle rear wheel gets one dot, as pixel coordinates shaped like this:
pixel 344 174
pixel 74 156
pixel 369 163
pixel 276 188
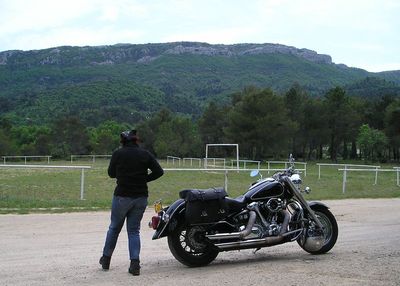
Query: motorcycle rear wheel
pixel 330 232
pixel 188 246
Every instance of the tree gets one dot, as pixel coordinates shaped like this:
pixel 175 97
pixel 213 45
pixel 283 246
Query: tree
pixel 212 124
pixel 372 142
pixel 69 136
pixel 168 134
pixel 31 139
pixel 354 120
pixel 338 111
pixel 7 146
pixel 296 101
pixel 315 128
pixel 259 122
pixel 104 139
pixel 374 111
pixel 149 128
pixel 392 127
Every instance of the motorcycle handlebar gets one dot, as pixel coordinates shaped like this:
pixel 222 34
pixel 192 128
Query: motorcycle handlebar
pixel 286 173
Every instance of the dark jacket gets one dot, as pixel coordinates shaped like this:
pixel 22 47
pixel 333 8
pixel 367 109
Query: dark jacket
pixel 130 165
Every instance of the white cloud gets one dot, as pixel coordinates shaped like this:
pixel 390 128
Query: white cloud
pixel 18 15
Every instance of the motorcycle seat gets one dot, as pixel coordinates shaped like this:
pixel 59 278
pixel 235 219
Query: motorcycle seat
pixel 236 204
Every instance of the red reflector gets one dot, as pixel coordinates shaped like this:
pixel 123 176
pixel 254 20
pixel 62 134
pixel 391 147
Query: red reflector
pixel 155 220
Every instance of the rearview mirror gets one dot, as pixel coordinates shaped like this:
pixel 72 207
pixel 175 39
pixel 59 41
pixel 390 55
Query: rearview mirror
pixel 254 173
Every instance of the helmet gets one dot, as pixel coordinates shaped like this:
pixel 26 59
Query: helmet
pixel 129 136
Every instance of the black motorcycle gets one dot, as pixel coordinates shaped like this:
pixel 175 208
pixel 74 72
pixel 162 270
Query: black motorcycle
pixel 273 211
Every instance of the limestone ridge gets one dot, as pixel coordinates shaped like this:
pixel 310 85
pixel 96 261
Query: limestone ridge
pixel 251 49
pixel 145 53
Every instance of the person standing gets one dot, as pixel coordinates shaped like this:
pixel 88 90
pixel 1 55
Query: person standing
pixel 129 165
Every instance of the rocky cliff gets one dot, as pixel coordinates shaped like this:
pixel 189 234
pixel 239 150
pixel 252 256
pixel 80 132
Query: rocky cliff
pixel 126 53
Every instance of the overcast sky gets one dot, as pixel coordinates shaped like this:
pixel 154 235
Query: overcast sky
pixel 358 33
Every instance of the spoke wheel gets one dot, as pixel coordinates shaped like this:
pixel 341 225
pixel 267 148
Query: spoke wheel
pixel 317 241
pixel 189 246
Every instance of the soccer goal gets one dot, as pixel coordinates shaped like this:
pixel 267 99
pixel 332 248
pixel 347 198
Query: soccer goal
pixel 236 146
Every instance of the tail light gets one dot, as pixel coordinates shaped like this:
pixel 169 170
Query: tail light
pixel 155 221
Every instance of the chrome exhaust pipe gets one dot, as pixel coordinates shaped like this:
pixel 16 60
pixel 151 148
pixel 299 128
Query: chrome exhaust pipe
pixel 253 243
pixel 262 242
pixel 242 234
pixel 285 223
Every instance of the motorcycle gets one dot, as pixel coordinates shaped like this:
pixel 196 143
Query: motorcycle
pixel 273 211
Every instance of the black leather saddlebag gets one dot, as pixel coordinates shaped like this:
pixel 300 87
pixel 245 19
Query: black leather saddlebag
pixel 205 206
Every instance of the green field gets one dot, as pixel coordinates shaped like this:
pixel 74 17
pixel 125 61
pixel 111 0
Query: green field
pixel 58 190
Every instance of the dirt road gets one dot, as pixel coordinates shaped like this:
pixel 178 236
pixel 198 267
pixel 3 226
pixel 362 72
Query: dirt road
pixel 63 249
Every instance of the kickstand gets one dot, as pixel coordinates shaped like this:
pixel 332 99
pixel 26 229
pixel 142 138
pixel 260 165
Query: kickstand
pixel 255 250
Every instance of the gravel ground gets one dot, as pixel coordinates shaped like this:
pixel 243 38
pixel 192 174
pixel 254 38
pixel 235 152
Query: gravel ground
pixel 63 249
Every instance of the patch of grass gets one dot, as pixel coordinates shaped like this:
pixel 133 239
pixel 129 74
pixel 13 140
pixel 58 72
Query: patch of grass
pixel 58 190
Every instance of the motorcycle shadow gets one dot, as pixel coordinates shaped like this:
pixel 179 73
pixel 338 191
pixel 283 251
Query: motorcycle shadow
pixel 262 257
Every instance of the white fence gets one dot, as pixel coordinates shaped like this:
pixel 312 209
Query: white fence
pixel 224 170
pixel 25 158
pixel 82 168
pixel 345 166
pixel 245 162
pixel 236 146
pixel 376 170
pixel 214 164
pixel 173 160
pixel 93 157
pixel 191 161
pixel 210 162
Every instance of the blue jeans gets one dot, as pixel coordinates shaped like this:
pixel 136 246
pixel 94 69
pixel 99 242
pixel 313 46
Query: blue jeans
pixel 132 209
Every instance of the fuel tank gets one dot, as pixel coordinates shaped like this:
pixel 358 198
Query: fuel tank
pixel 264 189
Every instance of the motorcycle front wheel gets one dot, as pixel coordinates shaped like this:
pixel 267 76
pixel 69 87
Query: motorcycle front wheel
pixel 316 242
pixel 189 246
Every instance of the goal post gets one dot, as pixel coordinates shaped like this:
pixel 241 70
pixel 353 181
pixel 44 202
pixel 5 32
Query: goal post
pixel 223 145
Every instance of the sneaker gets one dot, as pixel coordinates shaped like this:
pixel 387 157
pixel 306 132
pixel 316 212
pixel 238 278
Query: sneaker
pixel 134 269
pixel 105 262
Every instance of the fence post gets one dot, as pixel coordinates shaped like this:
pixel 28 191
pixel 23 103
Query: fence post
pixel 319 171
pixel 344 178
pixel 398 170
pixel 376 175
pixel 226 180
pixel 82 182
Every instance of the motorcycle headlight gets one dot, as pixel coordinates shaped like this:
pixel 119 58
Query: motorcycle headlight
pixel 295 178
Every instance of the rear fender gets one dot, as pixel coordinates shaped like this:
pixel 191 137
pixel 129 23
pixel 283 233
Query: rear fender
pixel 173 213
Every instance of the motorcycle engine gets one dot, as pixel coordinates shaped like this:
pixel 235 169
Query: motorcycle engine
pixel 270 210
pixel 274 205
pixel 268 225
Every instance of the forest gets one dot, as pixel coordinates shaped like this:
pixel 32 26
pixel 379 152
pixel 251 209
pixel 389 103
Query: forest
pixel 264 123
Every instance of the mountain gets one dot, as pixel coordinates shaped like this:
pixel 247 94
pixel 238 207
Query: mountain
pixel 393 76
pixel 128 82
pixel 372 87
